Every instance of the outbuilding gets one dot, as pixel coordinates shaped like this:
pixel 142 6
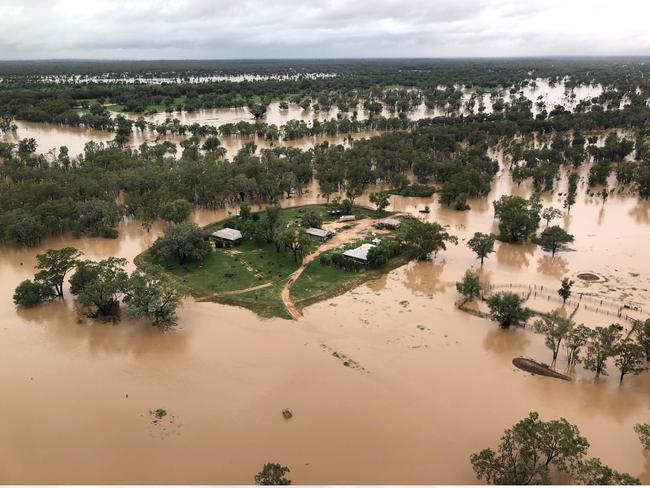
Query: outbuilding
pixel 347 218
pixel 388 223
pixel 227 237
pixel 317 234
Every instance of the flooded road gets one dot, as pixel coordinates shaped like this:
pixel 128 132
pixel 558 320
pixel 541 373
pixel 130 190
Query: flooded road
pixel 438 383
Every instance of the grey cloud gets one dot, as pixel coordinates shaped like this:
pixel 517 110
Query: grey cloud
pixel 328 28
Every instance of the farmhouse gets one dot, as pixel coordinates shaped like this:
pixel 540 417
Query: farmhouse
pixel 226 237
pixel 359 254
pixel 317 234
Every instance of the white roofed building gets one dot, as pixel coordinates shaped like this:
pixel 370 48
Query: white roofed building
pixel 227 236
pixel 360 253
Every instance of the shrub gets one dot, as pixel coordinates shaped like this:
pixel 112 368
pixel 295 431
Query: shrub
pixel 30 293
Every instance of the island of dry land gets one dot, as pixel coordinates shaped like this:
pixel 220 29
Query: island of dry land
pixel 263 274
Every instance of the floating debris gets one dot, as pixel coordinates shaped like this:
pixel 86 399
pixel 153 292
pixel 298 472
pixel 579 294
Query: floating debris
pixel 348 362
pixel 157 415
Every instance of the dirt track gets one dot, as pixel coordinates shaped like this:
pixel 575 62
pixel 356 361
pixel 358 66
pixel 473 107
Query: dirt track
pixel 338 239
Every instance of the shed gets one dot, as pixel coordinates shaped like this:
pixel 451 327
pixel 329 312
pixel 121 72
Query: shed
pixel 318 234
pixel 388 223
pixel 347 218
pixel 227 237
pixel 360 253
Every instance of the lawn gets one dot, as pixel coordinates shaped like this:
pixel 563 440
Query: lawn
pixel 318 281
pixel 250 264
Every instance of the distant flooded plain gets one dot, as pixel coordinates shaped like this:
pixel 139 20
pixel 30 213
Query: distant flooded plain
pixel 53 136
pixel 438 383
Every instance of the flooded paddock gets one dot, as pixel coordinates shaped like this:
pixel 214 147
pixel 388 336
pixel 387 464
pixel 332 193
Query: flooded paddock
pixel 438 384
pixel 52 136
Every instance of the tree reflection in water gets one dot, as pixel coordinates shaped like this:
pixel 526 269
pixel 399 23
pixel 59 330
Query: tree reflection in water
pixel 514 255
pixel 552 266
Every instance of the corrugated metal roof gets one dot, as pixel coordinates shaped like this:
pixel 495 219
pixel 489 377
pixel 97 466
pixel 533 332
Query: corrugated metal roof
pixel 360 253
pixel 390 222
pixel 228 234
pixel 314 231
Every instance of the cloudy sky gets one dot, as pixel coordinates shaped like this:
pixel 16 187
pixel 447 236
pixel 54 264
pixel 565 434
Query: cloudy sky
pixel 221 29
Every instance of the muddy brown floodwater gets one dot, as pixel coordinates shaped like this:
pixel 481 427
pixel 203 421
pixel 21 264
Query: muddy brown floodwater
pixel 433 385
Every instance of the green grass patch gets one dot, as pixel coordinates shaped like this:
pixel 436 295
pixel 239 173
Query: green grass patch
pixel 250 265
pixel 265 302
pixel 319 282
pixel 415 190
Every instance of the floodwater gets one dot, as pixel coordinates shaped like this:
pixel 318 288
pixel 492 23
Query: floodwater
pixel 52 136
pixel 276 115
pixel 437 383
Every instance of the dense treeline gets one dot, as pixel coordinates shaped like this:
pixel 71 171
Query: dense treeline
pixel 400 85
pixel 42 196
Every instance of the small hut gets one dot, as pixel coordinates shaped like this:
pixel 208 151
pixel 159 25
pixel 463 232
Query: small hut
pixel 317 234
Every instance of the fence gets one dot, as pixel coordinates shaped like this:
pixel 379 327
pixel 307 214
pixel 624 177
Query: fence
pixel 601 306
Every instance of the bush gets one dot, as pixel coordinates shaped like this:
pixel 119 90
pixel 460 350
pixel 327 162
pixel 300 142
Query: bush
pixel 311 219
pixel 30 293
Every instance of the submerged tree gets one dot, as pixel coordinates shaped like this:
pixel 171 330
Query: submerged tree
pixel 565 289
pixel 426 238
pixel 551 213
pixel 53 266
pixel 518 218
pixel 507 309
pixel 482 245
pixel 601 346
pixel 152 294
pixel 629 357
pixel 555 329
pixel 552 238
pixel 572 191
pixel 30 293
pixel 641 332
pixel 100 284
pixel 576 339
pixel 594 472
pixel 532 450
pixel 470 286
pixel 272 474
pixel 643 431
pixel 529 450
pixel 176 211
